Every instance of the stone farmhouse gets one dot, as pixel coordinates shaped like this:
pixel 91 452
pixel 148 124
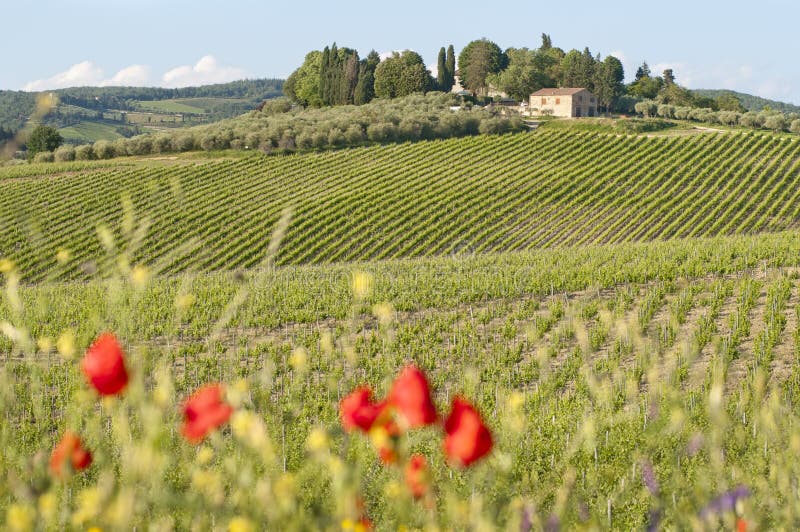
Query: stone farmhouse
pixel 567 102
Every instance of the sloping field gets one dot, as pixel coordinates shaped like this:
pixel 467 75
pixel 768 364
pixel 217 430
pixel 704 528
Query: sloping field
pixel 471 195
pixel 625 386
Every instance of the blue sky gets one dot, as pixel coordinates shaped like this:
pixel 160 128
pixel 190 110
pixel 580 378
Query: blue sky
pixel 751 47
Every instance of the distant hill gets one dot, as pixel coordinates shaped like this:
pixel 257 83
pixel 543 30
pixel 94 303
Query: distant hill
pixel 750 102
pixel 87 114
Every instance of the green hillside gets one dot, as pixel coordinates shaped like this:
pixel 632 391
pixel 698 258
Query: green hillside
pixel 88 114
pixel 459 196
pixel 670 350
pixel 661 355
pixel 750 102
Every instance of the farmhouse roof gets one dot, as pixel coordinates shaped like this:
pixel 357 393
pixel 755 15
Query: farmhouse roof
pixel 558 92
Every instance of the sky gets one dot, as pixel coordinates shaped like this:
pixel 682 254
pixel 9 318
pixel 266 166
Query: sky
pixel 750 47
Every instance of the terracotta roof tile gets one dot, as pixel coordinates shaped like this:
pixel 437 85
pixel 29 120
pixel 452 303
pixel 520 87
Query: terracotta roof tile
pixel 558 92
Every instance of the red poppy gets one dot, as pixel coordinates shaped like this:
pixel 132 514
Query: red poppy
pixel 466 437
pixel 417 476
pixel 70 451
pixel 357 411
pixel 411 397
pixel 204 411
pixel 104 365
pixel 741 525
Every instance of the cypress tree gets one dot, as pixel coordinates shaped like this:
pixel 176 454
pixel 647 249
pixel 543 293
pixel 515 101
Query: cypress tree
pixel 324 78
pixel 451 67
pixel 441 71
pixel 365 89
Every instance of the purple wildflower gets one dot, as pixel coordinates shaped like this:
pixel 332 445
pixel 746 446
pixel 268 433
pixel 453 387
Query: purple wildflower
pixel 553 523
pixel 526 523
pixel 725 502
pixel 653 520
pixel 649 478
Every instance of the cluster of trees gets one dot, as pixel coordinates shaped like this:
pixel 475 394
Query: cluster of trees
pixel 773 120
pixel 281 127
pixel 336 76
pixel 42 139
pixel 665 90
pixel 329 77
pixel 530 70
pixel 5 134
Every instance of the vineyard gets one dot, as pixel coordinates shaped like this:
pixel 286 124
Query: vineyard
pixel 460 196
pixel 623 314
pixel 624 385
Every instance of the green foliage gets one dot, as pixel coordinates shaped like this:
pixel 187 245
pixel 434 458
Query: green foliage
pixel 441 71
pixel 450 65
pixel 526 73
pixel 635 126
pixel 729 102
pixel 365 88
pixel 609 83
pixel 775 122
pixel 339 73
pixel 748 101
pixel 401 75
pixel 579 70
pixel 303 85
pixel 15 108
pixel 477 60
pixel 634 396
pixel 42 139
pixel 607 189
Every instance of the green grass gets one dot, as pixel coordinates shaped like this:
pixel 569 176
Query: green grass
pixel 170 106
pixel 185 105
pixel 84 132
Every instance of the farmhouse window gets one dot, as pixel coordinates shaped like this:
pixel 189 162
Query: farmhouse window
pixel 558 101
pixel 544 101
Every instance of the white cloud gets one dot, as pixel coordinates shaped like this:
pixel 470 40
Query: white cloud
pixel 78 75
pixel 206 71
pixel 390 53
pixel 132 76
pixel 627 66
pixel 684 74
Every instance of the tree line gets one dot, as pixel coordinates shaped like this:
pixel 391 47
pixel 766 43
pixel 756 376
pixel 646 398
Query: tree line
pixel 280 127
pixel 336 75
